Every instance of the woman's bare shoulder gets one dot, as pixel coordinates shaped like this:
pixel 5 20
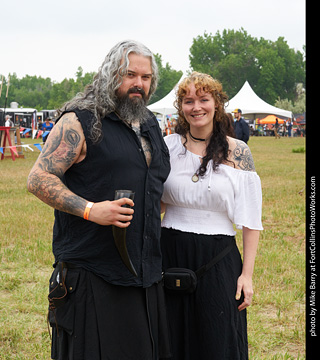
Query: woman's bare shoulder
pixel 240 154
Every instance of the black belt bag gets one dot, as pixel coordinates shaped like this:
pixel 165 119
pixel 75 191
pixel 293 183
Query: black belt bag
pixel 184 281
pixel 58 292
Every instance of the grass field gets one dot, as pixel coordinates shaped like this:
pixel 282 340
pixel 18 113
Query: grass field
pixel 276 319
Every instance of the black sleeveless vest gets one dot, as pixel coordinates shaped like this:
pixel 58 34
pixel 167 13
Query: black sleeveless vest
pixel 116 162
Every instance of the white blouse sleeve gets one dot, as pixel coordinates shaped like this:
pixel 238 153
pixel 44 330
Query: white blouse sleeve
pixel 247 200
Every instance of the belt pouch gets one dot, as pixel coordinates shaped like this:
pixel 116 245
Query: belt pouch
pixel 57 287
pixel 180 280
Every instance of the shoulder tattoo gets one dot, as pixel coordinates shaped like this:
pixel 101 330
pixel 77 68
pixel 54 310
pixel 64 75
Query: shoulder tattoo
pixel 62 147
pixel 242 156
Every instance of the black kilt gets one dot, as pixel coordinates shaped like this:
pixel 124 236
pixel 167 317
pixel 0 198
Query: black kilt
pixel 101 321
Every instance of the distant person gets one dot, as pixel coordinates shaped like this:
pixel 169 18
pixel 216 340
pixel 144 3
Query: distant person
pixel 284 128
pixel 265 130
pixel 8 122
pixel 289 128
pixel 241 128
pixel 47 126
pixel 168 130
pixel 276 128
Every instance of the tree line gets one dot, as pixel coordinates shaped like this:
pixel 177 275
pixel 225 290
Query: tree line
pixel 275 71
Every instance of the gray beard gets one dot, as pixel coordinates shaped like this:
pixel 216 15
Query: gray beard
pixel 132 110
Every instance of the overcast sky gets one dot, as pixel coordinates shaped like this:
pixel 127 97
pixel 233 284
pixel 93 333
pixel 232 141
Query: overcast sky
pixel 53 38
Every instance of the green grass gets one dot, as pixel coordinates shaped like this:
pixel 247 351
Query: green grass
pixel 276 318
pixel 299 150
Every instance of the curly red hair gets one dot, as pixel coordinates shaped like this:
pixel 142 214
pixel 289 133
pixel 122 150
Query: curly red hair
pixel 205 83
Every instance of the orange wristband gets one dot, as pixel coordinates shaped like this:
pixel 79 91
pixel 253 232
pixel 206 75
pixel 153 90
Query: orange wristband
pixel 87 210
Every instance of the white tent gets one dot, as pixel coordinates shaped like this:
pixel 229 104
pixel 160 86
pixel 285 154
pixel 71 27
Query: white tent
pixel 252 106
pixel 165 105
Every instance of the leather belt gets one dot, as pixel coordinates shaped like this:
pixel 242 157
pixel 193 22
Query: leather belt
pixel 68 265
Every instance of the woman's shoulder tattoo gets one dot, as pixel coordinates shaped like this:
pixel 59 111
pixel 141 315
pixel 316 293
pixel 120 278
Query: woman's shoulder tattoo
pixel 242 156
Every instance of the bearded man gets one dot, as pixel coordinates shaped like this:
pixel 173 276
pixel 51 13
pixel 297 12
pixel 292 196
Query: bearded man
pixel 106 139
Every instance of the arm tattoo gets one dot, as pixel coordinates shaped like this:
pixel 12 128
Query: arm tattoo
pixel 242 155
pixel 61 150
pixel 67 150
pixel 59 153
pixel 54 193
pixel 72 137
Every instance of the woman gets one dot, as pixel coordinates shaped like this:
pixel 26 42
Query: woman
pixel 212 185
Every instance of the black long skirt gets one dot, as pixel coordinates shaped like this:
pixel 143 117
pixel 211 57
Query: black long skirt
pixel 205 325
pixel 101 321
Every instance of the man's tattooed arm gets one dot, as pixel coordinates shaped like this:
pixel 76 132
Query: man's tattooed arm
pixel 242 157
pixel 62 149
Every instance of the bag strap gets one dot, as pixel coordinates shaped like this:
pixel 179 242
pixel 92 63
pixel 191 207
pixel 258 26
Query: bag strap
pixel 200 272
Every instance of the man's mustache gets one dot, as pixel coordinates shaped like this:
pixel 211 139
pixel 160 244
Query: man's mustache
pixel 136 90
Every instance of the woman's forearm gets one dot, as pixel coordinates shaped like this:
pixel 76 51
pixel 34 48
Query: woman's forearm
pixel 250 246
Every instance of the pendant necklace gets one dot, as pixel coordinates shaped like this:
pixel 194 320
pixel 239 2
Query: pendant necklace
pixel 195 176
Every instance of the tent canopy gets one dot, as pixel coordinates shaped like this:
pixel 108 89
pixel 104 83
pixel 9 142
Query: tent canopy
pixel 252 106
pixel 165 105
pixel 270 119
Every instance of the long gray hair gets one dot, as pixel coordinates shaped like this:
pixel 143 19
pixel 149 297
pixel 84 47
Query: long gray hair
pixel 100 96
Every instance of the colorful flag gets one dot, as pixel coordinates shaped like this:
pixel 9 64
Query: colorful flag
pixel 26 131
pixel 38 146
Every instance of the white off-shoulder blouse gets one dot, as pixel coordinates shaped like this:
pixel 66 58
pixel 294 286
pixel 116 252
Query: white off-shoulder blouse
pixel 212 205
